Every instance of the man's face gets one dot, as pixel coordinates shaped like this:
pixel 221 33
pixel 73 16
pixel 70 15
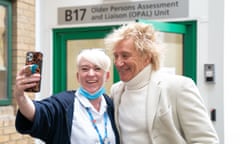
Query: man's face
pixel 128 61
pixel 90 76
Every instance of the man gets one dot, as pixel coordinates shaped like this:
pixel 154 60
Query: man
pixel 152 107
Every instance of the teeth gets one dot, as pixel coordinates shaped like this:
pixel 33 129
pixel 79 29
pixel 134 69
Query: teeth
pixel 91 81
pixel 122 69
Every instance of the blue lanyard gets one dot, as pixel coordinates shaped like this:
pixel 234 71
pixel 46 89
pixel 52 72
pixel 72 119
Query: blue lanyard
pixel 95 126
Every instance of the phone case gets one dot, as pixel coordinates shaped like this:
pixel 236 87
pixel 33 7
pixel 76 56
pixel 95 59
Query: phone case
pixel 34 59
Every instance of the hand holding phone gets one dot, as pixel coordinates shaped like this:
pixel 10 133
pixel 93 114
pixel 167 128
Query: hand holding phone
pixel 34 63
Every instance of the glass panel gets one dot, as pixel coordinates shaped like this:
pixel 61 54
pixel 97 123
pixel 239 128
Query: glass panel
pixel 73 49
pixel 173 47
pixel 3 52
pixel 173 63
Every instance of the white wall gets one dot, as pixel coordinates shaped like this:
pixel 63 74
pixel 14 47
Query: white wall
pixel 215 56
pixel 208 13
pixel 231 72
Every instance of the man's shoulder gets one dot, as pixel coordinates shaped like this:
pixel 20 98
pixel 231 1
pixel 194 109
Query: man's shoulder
pixel 118 84
pixel 117 87
pixel 172 79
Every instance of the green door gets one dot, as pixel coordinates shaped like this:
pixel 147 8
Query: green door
pixel 67 42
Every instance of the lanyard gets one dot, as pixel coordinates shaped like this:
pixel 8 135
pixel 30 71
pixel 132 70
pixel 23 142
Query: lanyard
pixel 102 141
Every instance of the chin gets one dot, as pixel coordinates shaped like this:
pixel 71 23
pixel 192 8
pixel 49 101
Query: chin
pixel 124 79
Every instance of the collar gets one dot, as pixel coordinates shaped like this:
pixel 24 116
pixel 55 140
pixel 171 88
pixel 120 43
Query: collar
pixel 86 103
pixel 141 79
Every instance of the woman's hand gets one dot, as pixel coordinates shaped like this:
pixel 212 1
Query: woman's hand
pixel 25 80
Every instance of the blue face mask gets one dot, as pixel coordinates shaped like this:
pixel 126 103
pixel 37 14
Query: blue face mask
pixel 91 96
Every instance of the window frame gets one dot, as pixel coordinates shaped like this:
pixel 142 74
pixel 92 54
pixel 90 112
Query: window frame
pixel 8 100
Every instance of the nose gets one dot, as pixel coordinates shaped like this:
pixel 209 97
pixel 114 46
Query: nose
pixel 91 72
pixel 118 62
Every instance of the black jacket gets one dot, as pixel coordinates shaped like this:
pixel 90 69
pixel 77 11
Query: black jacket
pixel 53 119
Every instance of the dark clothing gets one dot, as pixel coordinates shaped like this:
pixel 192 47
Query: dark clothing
pixel 52 122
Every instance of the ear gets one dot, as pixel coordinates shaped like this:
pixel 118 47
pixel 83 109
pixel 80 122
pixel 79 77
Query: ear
pixel 77 75
pixel 107 75
pixel 147 60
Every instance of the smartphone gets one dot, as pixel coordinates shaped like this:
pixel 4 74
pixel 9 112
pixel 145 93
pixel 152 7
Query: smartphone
pixel 34 63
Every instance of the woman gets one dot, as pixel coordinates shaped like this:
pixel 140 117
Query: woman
pixel 84 116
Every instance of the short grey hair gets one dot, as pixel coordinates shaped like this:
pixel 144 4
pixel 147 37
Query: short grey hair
pixel 96 56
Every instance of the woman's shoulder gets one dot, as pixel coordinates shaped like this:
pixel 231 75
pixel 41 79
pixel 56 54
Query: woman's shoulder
pixel 66 98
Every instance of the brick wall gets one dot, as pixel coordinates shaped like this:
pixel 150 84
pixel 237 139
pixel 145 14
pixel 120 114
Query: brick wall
pixel 8 134
pixel 23 40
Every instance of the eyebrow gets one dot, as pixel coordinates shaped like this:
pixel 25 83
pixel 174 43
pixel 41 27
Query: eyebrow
pixel 90 66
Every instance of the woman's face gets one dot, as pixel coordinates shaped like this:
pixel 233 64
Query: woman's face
pixel 128 61
pixel 91 77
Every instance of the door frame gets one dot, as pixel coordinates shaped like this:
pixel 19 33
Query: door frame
pixel 62 35
pixel 60 38
pixel 189 31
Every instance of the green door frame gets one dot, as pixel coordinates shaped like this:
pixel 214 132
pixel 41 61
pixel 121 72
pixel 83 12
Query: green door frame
pixel 62 35
pixel 60 38
pixel 189 31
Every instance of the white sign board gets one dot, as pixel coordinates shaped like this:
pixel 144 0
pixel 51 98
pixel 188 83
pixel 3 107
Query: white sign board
pixel 127 11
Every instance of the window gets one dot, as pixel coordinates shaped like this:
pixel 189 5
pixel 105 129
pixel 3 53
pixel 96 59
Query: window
pixel 5 51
